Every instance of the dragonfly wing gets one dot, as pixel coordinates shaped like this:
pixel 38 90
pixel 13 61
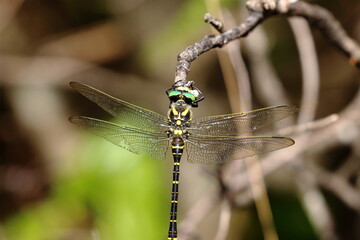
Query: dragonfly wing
pixel 128 113
pixel 219 150
pixel 139 141
pixel 240 123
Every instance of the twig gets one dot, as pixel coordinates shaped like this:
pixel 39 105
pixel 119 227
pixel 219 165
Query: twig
pixel 234 70
pixel 261 10
pixel 309 126
pixel 278 159
pixel 241 72
pixel 262 202
pixel 216 23
pixel 350 166
pixel 314 202
pixel 320 140
pixel 312 198
pixel 257 187
pixel 313 141
pixel 323 20
pixel 209 42
pixel 224 222
pixel 337 185
pixel 189 225
pixel 309 69
pixel 263 74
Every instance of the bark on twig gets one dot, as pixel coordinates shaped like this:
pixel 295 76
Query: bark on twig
pixel 260 10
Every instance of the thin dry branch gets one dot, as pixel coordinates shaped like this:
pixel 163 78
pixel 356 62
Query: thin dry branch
pixel 338 185
pixel 193 218
pixel 343 131
pixel 311 197
pixel 214 22
pixel 323 20
pixel 314 203
pixel 264 76
pixel 224 222
pixel 260 10
pixel 209 42
pixel 309 70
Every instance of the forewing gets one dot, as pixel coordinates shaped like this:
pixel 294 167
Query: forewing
pixel 128 113
pixel 240 123
pixel 139 141
pixel 218 150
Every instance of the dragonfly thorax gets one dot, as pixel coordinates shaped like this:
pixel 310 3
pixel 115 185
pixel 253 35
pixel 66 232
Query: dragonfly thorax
pixel 180 114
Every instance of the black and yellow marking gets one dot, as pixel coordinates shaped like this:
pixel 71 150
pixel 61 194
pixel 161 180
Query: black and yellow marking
pixel 177 154
pixel 177 147
pixel 185 112
pixel 174 111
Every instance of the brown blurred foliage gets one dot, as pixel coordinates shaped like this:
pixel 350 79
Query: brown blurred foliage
pixel 129 49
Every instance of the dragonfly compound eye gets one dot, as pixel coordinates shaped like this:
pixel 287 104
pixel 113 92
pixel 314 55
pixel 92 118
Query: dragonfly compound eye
pixel 189 97
pixel 174 95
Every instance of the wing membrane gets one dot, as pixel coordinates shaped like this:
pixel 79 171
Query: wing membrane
pixel 218 150
pixel 139 141
pixel 126 112
pixel 240 123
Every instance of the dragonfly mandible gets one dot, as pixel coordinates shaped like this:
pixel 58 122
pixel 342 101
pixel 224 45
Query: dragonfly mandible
pixel 212 140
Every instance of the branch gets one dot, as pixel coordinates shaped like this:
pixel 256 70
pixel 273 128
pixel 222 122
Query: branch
pixel 189 225
pixel 309 69
pixel 224 222
pixel 338 185
pixel 209 42
pixel 323 20
pixel 215 23
pixel 260 10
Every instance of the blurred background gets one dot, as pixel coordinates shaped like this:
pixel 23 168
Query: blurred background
pixel 58 182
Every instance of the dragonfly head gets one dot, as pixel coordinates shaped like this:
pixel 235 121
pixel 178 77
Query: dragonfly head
pixel 183 94
pixel 190 95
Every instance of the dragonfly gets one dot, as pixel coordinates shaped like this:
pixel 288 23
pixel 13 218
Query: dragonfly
pixel 209 140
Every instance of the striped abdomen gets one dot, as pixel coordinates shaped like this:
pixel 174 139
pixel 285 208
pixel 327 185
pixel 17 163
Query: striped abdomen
pixel 177 147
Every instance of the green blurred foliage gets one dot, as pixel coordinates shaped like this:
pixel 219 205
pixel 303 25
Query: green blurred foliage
pixel 289 217
pixel 108 191
pixel 182 30
pixel 174 36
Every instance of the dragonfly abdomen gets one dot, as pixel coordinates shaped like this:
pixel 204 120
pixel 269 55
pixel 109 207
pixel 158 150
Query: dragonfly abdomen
pixel 177 147
pixel 174 203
